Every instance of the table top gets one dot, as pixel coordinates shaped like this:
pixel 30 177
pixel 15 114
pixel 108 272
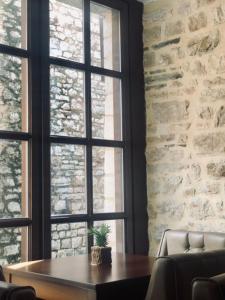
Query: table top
pixel 78 271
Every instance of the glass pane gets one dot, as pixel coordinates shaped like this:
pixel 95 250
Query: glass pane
pixel 67 102
pixel 68 183
pixel 69 239
pixel 106 107
pixel 13 179
pixel 13 23
pixel 107 179
pixel 105 37
pixel 116 236
pixel 13 245
pixel 66 29
pixel 13 93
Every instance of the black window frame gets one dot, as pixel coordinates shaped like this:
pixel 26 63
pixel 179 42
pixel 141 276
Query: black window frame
pixel 39 138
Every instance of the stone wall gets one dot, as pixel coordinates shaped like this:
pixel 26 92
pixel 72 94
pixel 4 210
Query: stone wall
pixel 68 169
pixel 184 75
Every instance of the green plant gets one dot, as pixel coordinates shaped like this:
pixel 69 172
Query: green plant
pixel 101 234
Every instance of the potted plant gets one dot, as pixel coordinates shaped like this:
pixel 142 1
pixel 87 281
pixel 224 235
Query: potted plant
pixel 100 253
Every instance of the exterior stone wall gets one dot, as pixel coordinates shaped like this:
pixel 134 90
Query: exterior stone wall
pixel 68 190
pixel 10 151
pixel 184 80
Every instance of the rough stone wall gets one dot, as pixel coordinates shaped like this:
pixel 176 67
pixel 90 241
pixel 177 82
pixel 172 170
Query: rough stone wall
pixel 185 74
pixel 68 192
pixel 10 151
pixel 68 171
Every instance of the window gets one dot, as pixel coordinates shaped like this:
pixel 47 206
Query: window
pixel 65 138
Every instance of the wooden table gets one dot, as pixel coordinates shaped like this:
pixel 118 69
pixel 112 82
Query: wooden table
pixel 73 278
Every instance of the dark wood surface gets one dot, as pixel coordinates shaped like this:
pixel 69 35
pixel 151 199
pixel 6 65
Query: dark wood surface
pixel 125 272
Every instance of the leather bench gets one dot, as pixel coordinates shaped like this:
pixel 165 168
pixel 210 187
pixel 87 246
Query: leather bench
pixel 181 241
pixel 172 276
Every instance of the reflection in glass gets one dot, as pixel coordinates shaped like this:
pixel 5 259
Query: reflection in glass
pixel 107 179
pixel 13 179
pixel 67 102
pixel 13 23
pixel 105 37
pixel 68 183
pixel 66 29
pixel 13 93
pixel 116 236
pixel 106 107
pixel 69 239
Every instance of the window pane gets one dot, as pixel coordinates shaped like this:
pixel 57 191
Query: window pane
pixel 69 239
pixel 116 236
pixel 13 245
pixel 13 22
pixel 68 183
pixel 105 37
pixel 66 29
pixel 13 179
pixel 67 102
pixel 106 107
pixel 13 93
pixel 107 179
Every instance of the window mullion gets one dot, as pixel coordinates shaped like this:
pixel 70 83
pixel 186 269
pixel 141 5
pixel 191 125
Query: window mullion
pixel 87 52
pixel 45 98
pixel 35 129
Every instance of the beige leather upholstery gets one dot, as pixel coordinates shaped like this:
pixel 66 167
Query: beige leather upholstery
pixel 180 241
pixel 172 275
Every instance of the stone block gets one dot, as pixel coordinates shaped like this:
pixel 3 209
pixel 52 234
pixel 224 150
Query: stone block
pixel 60 206
pixel 220 117
pixel 210 143
pixel 201 3
pixel 158 154
pixel 165 168
pixel 161 139
pixel 204 44
pixel 213 94
pixel 152 33
pixel 205 112
pixel 197 22
pixel 171 184
pixel 14 207
pixel 219 14
pixel 55 245
pixel 156 15
pixel 11 250
pixel 174 28
pixel 172 111
pixel 214 82
pixel 195 171
pixel 184 8
pixel 163 77
pixel 149 59
pixel 171 208
pixel 66 244
pixel 200 209
pixel 77 242
pixel 216 169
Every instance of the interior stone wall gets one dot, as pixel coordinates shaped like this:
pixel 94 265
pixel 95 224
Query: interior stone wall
pixel 184 63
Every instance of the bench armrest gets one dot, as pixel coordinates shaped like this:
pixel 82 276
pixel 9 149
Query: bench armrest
pixel 209 288
pixel 11 291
